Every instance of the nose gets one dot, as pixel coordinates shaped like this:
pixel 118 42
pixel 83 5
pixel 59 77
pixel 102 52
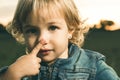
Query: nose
pixel 43 38
pixel 43 41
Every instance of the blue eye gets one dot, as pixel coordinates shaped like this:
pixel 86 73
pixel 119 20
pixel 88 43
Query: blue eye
pixel 52 28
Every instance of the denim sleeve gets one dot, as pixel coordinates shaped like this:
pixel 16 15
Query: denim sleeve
pixel 26 78
pixel 105 72
pixel 3 70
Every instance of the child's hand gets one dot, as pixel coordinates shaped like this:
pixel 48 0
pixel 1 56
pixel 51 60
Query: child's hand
pixel 26 65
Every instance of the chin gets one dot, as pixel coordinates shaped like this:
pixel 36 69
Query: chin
pixel 48 60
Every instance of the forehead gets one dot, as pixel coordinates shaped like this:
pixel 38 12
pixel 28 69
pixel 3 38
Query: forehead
pixel 45 17
pixel 44 11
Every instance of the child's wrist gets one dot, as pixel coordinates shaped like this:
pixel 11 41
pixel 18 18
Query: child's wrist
pixel 13 73
pixel 7 75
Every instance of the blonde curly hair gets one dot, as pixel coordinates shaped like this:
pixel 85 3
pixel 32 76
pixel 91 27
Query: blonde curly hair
pixel 66 7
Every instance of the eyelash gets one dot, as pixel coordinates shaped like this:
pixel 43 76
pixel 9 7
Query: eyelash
pixel 53 28
pixel 31 31
pixel 34 31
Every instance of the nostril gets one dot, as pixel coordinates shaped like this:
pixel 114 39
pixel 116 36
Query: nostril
pixel 42 41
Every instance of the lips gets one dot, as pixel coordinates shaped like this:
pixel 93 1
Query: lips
pixel 45 51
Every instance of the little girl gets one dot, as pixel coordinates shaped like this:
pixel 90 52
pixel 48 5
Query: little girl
pixel 53 34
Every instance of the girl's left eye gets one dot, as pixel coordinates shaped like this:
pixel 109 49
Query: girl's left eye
pixel 52 28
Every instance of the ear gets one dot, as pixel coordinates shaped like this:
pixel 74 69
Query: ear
pixel 70 34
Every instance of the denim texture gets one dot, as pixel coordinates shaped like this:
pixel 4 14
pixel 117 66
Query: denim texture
pixel 82 64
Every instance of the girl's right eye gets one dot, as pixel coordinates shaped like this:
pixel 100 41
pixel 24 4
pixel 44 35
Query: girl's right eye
pixel 31 31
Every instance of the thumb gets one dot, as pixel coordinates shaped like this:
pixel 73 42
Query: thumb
pixel 36 49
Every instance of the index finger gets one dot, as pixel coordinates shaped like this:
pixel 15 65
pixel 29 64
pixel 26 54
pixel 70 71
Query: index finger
pixel 36 49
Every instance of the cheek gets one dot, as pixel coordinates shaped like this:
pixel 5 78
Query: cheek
pixel 62 37
pixel 60 47
pixel 30 42
pixel 60 41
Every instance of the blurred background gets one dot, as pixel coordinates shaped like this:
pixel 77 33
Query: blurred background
pixel 102 16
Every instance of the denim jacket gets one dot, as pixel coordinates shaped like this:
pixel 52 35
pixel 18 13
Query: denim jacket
pixel 81 65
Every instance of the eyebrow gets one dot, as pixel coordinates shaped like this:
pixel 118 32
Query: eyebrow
pixel 29 26
pixel 55 22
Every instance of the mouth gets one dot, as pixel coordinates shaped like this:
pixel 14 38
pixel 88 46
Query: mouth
pixel 44 52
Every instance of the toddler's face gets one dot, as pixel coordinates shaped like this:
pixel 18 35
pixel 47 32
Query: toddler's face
pixel 50 30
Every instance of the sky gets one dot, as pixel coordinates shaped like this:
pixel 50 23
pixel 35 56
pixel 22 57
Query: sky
pixel 96 10
pixel 7 8
pixel 92 10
